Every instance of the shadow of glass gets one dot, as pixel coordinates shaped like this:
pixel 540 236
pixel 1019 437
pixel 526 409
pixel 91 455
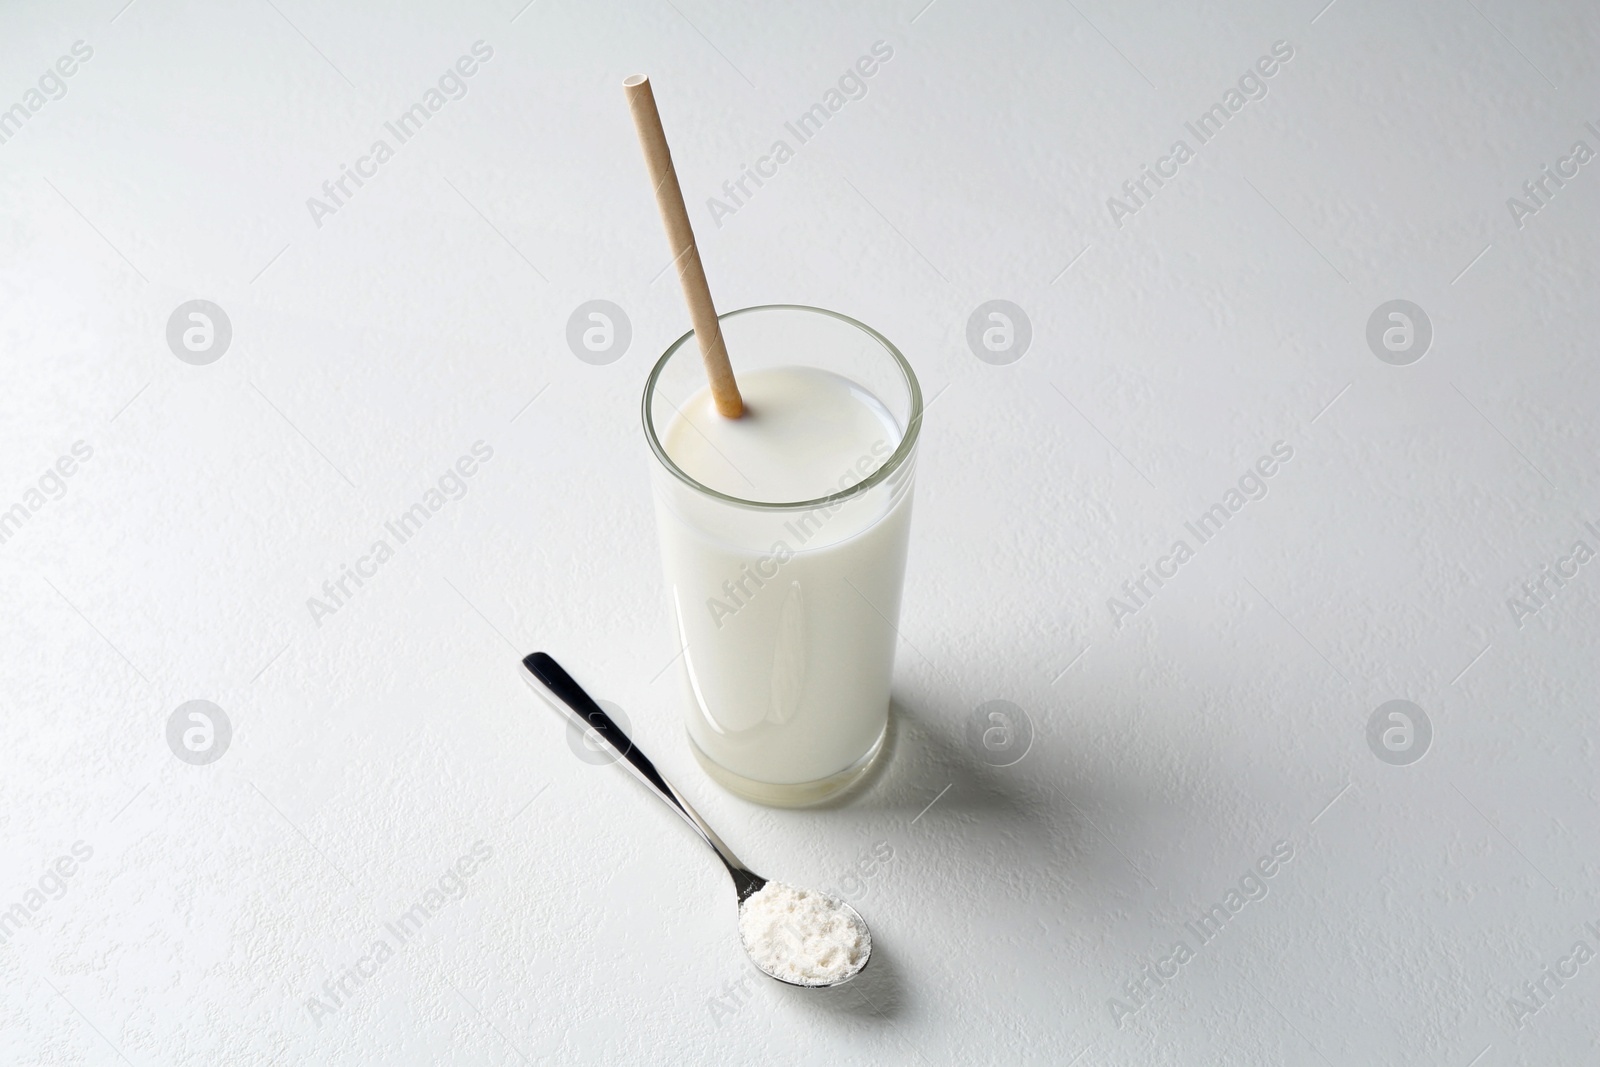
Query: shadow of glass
pixel 1036 815
pixel 915 754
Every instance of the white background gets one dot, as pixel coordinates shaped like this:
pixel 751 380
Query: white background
pixel 373 747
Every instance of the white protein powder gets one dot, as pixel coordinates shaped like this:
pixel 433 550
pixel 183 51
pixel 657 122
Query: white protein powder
pixel 802 936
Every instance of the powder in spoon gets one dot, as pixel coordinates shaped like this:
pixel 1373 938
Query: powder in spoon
pixel 802 936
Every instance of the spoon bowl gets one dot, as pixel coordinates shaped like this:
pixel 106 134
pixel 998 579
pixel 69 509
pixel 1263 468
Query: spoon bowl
pixel 834 983
pixel 746 883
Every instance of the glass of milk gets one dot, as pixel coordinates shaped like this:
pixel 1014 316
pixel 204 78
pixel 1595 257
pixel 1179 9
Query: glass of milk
pixel 783 539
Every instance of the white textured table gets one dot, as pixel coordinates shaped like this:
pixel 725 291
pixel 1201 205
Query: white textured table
pixel 395 857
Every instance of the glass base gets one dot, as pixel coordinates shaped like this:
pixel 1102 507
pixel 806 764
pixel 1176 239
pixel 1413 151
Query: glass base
pixel 795 794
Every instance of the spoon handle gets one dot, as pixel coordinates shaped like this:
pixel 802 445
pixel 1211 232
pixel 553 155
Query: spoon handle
pixel 589 714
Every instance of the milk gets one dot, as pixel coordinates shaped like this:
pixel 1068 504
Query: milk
pixel 787 616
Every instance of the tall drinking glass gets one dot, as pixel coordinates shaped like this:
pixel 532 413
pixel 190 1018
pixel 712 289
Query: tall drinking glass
pixel 787 608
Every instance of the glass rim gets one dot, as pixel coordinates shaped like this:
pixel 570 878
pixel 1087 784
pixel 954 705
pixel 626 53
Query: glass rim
pixel 908 438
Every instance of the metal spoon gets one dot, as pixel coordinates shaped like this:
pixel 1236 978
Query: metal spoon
pixel 588 714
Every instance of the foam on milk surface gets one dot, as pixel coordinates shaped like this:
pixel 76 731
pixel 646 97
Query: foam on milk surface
pixel 802 430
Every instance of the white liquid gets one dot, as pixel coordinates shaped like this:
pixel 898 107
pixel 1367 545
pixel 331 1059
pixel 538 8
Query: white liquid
pixel 786 615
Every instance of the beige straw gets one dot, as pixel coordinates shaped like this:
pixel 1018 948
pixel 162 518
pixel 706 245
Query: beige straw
pixel 680 235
